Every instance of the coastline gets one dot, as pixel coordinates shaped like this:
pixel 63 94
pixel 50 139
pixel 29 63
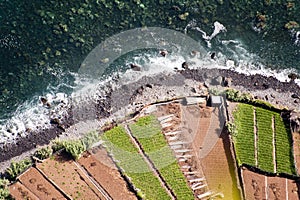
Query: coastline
pixel 134 96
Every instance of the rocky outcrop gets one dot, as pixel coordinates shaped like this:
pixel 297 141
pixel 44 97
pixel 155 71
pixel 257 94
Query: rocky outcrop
pixel 295 121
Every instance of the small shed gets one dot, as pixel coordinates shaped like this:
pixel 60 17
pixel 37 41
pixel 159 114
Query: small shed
pixel 214 101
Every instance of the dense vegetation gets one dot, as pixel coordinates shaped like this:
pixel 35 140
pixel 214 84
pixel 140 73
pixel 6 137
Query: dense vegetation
pixel 284 155
pixel 243 134
pixel 76 147
pixel 147 131
pixel 17 167
pixel 4 191
pixel 265 139
pixel 244 137
pixel 133 165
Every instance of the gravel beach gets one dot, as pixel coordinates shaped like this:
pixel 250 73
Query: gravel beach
pixel 118 102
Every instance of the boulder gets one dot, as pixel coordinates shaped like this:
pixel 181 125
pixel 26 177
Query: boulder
pixel 135 67
pixel 185 65
pixel 227 82
pixel 295 96
pixel 217 80
pixel 163 53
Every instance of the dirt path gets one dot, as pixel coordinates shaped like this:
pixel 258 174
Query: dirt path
pixel 255 138
pixel 273 144
pixel 150 164
pixel 296 149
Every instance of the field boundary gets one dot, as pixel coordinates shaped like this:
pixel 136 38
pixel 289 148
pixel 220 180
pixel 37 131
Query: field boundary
pixel 150 163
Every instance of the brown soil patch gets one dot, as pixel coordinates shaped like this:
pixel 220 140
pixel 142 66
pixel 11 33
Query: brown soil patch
pixel 254 185
pixel 106 175
pixel 19 191
pixel 293 193
pixel 40 186
pixel 278 188
pixel 69 178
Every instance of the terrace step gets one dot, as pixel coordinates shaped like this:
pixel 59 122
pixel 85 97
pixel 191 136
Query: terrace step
pixel 182 150
pixel 166 117
pixel 176 147
pixel 200 186
pixel 197 180
pixel 183 156
pixel 204 195
pixel 177 143
pixel 190 173
pixel 172 133
pixel 182 160
pixel 186 167
pixel 172 138
pixel 165 125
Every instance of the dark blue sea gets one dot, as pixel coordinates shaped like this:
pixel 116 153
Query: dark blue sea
pixel 43 43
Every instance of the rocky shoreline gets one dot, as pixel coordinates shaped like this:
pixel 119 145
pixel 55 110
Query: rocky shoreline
pixel 118 102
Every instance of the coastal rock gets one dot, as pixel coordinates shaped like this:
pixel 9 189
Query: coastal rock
pixel 135 67
pixel 163 53
pixel 295 121
pixel 185 65
pixel 293 76
pixel 295 96
pixel 217 80
pixel 227 82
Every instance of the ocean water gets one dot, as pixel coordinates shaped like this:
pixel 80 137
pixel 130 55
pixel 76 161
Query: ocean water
pixel 43 43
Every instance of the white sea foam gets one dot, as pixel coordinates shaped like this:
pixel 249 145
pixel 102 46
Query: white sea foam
pixel 33 115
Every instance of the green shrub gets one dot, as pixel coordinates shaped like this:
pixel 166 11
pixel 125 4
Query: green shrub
pixel 75 148
pixel 231 128
pixel 237 96
pixel 57 145
pixel 89 139
pixel 17 167
pixel 43 153
pixel 4 191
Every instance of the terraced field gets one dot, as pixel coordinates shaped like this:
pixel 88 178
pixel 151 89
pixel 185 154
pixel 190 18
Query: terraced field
pixel 265 139
pixel 273 143
pixel 147 131
pixel 133 165
pixel 244 138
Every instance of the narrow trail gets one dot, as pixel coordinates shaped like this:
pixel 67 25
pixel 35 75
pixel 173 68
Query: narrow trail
pixel 273 144
pixel 255 137
pixel 150 164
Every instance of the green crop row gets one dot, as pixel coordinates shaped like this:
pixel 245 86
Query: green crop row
pixel 156 147
pixel 135 167
pixel 244 139
pixel 284 155
pixel 265 139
